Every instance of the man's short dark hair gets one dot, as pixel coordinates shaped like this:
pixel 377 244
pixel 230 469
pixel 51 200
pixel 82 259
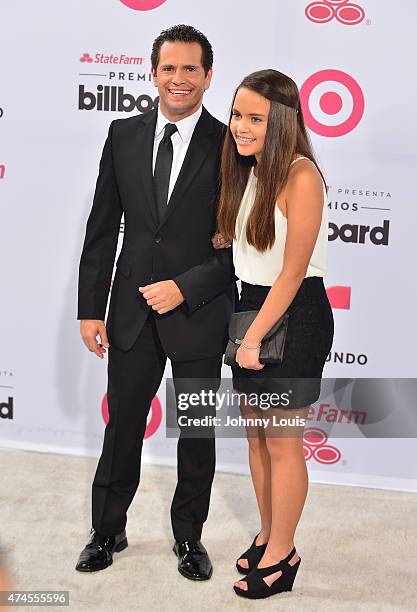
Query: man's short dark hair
pixel 186 34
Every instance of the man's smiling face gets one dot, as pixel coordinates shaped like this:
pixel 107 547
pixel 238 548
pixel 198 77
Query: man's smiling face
pixel 180 79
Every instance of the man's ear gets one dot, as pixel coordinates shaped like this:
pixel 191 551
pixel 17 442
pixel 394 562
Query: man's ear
pixel 208 78
pixel 154 76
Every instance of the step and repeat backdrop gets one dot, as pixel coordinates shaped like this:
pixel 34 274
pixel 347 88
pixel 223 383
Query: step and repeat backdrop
pixel 69 68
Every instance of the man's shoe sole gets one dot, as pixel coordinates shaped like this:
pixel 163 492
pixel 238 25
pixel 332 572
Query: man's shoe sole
pixel 86 570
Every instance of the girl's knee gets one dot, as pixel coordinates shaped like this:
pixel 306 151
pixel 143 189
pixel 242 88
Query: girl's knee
pixel 281 447
pixel 256 443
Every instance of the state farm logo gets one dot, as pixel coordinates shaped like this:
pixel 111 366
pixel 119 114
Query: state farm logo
pixel 2 171
pixel 315 446
pixel 333 103
pixel 142 5
pixel 343 11
pixel 111 58
pixel 153 422
pixel 86 57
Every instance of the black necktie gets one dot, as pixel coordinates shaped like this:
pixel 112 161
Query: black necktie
pixel 162 170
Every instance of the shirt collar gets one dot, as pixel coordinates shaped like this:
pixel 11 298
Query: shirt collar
pixel 185 126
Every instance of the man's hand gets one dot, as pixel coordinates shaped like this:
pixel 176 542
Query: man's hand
pixel 163 296
pixel 90 329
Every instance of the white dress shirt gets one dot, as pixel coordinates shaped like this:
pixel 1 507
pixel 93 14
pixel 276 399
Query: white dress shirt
pixel 180 142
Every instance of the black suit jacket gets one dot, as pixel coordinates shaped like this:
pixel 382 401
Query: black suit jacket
pixel 178 248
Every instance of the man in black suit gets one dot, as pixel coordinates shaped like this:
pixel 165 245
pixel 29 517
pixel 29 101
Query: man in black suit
pixel 172 294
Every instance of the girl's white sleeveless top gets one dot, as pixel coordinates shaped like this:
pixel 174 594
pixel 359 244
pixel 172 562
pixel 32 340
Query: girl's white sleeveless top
pixel 257 268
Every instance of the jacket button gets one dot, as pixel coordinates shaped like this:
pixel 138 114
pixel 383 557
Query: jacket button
pixel 158 239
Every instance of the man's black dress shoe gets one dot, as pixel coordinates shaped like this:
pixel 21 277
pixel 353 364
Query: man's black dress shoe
pixel 193 560
pixel 98 554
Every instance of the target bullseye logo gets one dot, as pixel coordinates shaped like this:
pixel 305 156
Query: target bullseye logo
pixel 333 103
pixel 315 445
pixel 342 10
pixel 153 422
pixel 142 5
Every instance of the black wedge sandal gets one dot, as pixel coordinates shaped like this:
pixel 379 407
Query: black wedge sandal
pixel 253 555
pixel 258 588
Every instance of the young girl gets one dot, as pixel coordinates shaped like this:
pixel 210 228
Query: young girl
pixel 273 208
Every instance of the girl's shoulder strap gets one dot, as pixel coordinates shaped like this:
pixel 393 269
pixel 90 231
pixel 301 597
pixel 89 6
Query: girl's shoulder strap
pixel 298 159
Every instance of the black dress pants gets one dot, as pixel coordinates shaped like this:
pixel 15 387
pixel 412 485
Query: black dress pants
pixel 133 379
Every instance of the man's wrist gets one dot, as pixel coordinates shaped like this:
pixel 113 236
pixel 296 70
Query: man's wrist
pixel 179 291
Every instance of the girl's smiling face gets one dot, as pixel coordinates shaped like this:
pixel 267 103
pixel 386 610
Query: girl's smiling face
pixel 249 122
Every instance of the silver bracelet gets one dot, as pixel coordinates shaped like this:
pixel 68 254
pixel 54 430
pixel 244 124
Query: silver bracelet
pixel 251 347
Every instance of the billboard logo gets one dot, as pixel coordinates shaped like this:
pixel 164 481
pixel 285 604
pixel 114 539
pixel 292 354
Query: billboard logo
pixel 112 98
pixel 153 422
pixel 342 10
pixel 360 234
pixel 315 445
pixel 142 5
pixel 333 103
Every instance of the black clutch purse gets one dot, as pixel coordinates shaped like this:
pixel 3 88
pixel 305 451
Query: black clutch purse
pixel 272 346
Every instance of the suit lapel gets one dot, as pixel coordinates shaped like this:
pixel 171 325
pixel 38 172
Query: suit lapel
pixel 198 149
pixel 144 146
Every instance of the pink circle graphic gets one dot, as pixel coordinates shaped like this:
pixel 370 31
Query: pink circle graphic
pixel 313 436
pixel 153 424
pixel 315 446
pixel 327 454
pixel 156 418
pixel 350 14
pixel 105 409
pixel 349 82
pixel 331 103
pixel 319 12
pixel 325 10
pixel 142 5
pixel 308 452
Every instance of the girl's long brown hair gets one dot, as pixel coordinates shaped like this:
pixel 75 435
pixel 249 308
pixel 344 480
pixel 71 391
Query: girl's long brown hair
pixel 286 136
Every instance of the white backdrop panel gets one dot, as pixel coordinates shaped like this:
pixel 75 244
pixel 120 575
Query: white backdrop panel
pixel 49 154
